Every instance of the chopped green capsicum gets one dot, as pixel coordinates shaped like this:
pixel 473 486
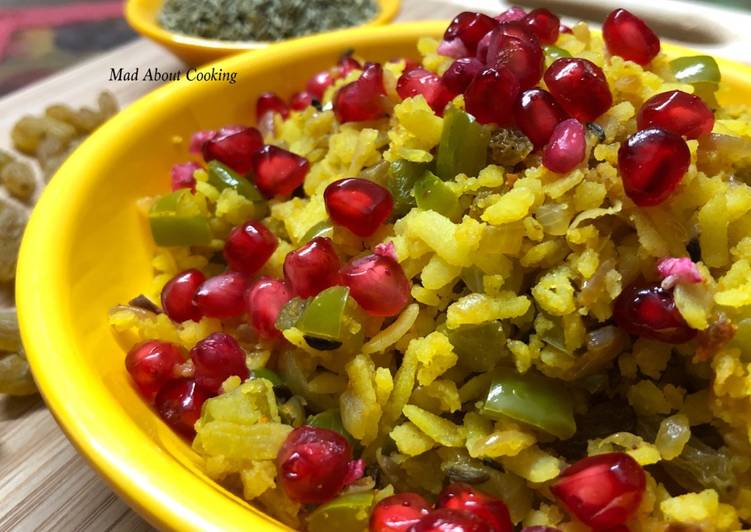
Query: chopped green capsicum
pixel 473 278
pixel 324 228
pixel 463 148
pixel 553 52
pixel 702 72
pixel 533 399
pixel 433 194
pixel 347 513
pixel 401 180
pixel 221 177
pixel 332 420
pixel 271 376
pixel 480 347
pixel 176 220
pixel 290 313
pixel 322 320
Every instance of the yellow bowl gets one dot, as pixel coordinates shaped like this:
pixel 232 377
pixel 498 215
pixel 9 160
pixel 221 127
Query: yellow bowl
pixel 142 16
pixel 86 249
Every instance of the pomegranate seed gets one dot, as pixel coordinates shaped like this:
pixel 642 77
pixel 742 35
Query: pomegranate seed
pixel 398 513
pixel 446 520
pixel 347 64
pixel 628 36
pixel 264 301
pixel 378 284
pixel 182 176
pixel 454 48
pixel 580 87
pixel 491 95
pixel 460 74
pixel 278 172
pixel 409 64
pixel 566 148
pixel 312 464
pixel 151 364
pixel 362 99
pixel 358 204
pixel 216 358
pixel 482 48
pixel 544 24
pixel 678 112
pixel 470 27
pixel 541 528
pixel 179 404
pixel 652 163
pixel 233 148
pixel 564 29
pixel 649 311
pixel 602 490
pixel 537 113
pixel 318 84
pixel 312 268
pixel 221 296
pixel 268 101
pixel 520 53
pixel 249 246
pixel 512 14
pixel 421 81
pixel 177 296
pixel 464 497
pixel 301 100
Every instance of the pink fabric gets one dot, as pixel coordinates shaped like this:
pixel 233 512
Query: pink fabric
pixel 386 250
pixel 454 48
pixel 675 270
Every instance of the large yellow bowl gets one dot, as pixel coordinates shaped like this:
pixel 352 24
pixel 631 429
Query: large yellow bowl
pixel 86 248
pixel 142 16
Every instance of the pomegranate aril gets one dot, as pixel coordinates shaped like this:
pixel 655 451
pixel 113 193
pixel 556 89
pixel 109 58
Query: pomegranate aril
pixel 151 364
pixel 362 99
pixel 278 172
pixel 233 149
pixel 603 491
pixel 264 301
pixel 470 27
pixel 512 14
pixel 312 268
pixel 221 296
pixel 536 114
pixel 652 163
pixel 447 520
pixel 216 358
pixel 566 148
pixel 358 204
pixel 564 29
pixel 454 48
pixel 544 24
pixel 249 246
pixel 421 81
pixel 177 296
pixel 580 87
pixel 300 100
pixel 523 56
pixel 482 48
pixel 649 311
pixel 271 102
pixel 347 64
pixel 318 84
pixel 398 513
pixel 464 497
pixel 491 95
pixel 378 284
pixel 540 528
pixel 460 74
pixel 628 36
pixel 182 176
pixel 179 404
pixel 677 112
pixel 312 464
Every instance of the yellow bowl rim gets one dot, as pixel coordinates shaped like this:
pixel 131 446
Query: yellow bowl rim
pixel 163 504
pixel 148 27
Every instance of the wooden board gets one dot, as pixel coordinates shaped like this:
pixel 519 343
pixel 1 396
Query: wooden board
pixel 44 484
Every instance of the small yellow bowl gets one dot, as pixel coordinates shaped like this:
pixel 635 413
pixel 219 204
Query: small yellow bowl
pixel 142 17
pixel 87 248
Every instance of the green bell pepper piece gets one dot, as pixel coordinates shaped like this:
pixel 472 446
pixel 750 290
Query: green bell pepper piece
pixel 290 313
pixel 464 145
pixel 693 69
pixel 332 420
pixel 324 315
pixel 480 347
pixel 473 278
pixel 433 194
pixel 324 228
pixel 176 221
pixel 271 376
pixel 553 52
pixel 347 513
pixel 533 399
pixel 401 180
pixel 222 177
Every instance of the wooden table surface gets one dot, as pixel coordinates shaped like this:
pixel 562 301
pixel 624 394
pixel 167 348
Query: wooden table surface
pixel 44 484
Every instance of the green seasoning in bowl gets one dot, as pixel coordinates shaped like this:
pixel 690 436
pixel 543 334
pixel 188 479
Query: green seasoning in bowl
pixel 262 20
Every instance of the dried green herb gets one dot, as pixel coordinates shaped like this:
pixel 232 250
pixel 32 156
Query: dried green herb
pixel 262 20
